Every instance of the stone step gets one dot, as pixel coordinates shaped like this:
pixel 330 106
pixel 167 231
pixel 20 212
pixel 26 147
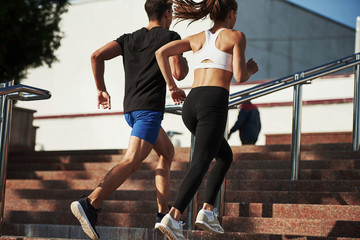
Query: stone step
pixel 91 174
pixel 340 164
pixel 302 227
pixel 184 156
pixel 116 233
pixel 250 174
pixel 261 201
pixel 304 174
pixel 63 205
pixel 293 211
pixel 127 220
pixel 253 225
pixel 304 155
pixel 153 157
pixel 231 185
pixel 296 197
pixel 89 166
pixel 232 209
pixel 235 149
pixel 311 138
pixel 334 198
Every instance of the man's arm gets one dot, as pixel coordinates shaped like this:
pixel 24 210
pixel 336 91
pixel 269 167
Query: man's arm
pixel 98 58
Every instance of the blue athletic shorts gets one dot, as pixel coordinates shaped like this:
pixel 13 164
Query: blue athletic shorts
pixel 145 124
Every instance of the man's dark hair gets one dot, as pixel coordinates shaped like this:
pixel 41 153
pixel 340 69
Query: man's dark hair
pixel 156 8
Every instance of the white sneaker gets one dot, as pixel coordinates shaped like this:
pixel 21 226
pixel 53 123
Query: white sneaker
pixel 208 221
pixel 171 228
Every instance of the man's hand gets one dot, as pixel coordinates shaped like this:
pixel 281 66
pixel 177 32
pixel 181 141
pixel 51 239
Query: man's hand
pixel 104 100
pixel 177 95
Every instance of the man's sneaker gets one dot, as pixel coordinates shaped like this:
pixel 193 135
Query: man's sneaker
pixel 87 216
pixel 207 220
pixel 171 228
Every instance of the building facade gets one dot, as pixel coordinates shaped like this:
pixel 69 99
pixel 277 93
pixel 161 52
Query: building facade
pixel 282 37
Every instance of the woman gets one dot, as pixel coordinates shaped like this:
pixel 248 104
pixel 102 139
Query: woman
pixel 218 56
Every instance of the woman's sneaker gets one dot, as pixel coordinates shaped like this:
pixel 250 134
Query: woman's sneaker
pixel 207 220
pixel 159 217
pixel 87 216
pixel 171 228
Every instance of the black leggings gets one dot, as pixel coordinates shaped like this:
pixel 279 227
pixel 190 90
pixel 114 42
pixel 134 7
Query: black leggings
pixel 204 114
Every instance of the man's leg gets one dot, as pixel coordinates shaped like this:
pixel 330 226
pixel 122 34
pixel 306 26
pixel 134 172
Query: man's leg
pixel 86 209
pixel 137 151
pixel 165 149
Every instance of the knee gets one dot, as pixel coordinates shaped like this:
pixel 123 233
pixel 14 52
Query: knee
pixel 229 159
pixel 200 167
pixel 133 164
pixel 169 154
pixel 226 158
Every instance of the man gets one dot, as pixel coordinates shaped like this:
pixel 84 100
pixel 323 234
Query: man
pixel 248 123
pixel 144 103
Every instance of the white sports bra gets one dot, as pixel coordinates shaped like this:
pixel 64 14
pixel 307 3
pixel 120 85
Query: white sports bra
pixel 209 51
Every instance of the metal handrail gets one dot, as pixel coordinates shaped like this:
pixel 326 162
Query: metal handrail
pixel 8 93
pixel 296 80
pixel 290 81
pixel 285 82
pixel 25 93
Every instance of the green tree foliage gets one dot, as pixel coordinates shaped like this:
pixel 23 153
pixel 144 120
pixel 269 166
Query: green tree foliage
pixel 29 35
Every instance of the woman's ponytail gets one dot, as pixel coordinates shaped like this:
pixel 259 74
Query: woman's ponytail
pixel 191 10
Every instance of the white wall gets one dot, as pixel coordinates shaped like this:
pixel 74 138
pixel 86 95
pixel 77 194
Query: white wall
pixel 90 24
pixel 112 131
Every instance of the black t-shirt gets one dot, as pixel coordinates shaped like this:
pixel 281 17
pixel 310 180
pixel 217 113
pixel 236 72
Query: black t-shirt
pixel 144 84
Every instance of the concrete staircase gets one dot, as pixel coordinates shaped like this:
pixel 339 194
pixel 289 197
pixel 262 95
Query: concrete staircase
pixel 260 201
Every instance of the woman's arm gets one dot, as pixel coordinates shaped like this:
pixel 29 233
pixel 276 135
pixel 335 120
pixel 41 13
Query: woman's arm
pixel 179 67
pixel 242 70
pixel 162 55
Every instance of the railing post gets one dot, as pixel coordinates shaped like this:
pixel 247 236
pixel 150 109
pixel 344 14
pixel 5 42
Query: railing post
pixel 356 119
pixel 356 105
pixel 193 204
pixel 6 107
pixel 296 128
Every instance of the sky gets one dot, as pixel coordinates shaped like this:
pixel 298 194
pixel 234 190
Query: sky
pixel 342 11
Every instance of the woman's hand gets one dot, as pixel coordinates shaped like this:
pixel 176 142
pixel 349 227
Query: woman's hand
pixel 251 66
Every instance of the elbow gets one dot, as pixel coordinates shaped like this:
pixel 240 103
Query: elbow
pixel 158 55
pixel 185 71
pixel 95 56
pixel 181 68
pixel 181 74
pixel 240 78
pixel 177 75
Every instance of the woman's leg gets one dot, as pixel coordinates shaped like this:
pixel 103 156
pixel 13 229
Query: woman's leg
pixel 205 115
pixel 218 172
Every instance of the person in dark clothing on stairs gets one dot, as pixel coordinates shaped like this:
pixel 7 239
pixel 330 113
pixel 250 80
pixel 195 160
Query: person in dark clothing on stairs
pixel 248 123
pixel 144 103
